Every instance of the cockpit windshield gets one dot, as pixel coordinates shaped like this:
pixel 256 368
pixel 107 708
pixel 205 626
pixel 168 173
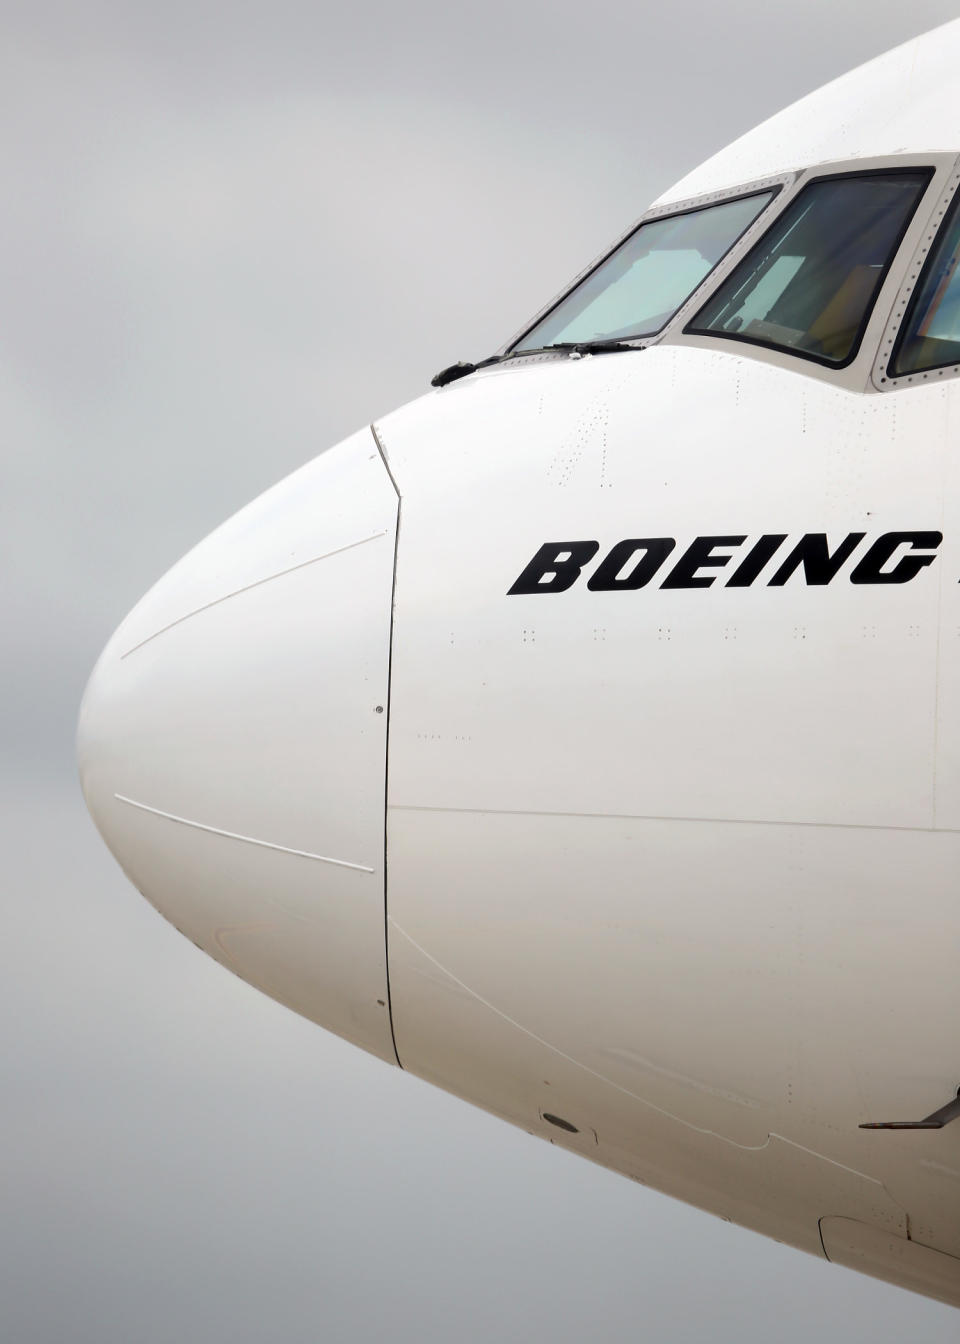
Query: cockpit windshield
pixel 930 338
pixel 809 285
pixel 637 289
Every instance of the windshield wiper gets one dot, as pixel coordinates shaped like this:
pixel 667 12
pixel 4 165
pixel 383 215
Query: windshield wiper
pixel 460 370
pixel 582 348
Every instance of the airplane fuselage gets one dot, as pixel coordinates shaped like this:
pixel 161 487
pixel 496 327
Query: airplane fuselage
pixel 585 735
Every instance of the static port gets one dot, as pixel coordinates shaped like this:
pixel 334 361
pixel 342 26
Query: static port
pixel 560 1124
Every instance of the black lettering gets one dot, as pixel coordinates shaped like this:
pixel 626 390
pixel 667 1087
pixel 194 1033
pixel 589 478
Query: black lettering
pixel 699 555
pixel 870 569
pixel 555 567
pixel 819 566
pixel 609 578
pixel 754 561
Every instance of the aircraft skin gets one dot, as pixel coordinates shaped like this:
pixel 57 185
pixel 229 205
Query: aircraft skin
pixel 664 871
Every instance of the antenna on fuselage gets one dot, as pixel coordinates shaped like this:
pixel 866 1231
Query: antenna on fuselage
pixel 936 1120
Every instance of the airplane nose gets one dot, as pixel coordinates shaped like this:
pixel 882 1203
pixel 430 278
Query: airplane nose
pixel 232 742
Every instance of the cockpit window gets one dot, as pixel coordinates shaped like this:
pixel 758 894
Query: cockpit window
pixel 809 285
pixel 637 289
pixel 930 338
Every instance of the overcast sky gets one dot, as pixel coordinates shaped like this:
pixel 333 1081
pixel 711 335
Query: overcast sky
pixel 231 234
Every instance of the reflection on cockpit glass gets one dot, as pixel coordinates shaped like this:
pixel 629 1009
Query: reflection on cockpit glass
pixel 931 332
pixel 809 284
pixel 640 286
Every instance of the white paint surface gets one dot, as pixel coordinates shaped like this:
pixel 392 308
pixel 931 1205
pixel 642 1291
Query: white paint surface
pixel 677 867
pixel 235 761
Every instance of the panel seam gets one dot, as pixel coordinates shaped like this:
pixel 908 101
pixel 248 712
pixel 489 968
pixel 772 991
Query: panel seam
pixel 386 751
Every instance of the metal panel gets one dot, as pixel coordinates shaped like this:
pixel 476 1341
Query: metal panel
pixel 659 857
pixel 891 1258
pixel 233 742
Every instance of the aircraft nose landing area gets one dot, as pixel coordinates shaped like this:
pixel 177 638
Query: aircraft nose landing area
pixel 232 742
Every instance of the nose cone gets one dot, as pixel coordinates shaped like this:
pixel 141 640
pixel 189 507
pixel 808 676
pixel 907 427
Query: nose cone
pixel 232 742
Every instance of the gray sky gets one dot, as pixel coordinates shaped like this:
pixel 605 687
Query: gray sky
pixel 231 234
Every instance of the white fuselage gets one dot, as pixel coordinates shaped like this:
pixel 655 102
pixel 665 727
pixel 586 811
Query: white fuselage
pixel 667 853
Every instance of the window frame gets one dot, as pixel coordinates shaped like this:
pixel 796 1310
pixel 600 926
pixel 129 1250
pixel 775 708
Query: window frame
pixel 924 170
pixel 883 377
